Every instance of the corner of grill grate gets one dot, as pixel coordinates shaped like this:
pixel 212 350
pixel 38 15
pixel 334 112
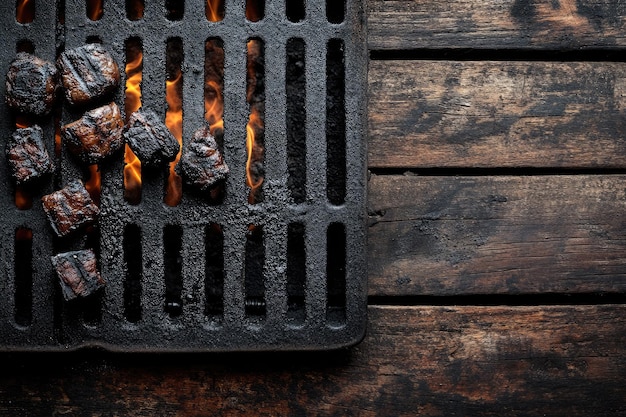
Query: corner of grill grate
pixel 275 258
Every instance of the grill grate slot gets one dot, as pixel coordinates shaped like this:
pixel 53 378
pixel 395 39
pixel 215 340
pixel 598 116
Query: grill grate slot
pixel 214 270
pixel 25 11
pixel 255 130
pixel 172 245
pixel 132 103
pixel 134 273
pixel 254 275
pixel 23 264
pixel 95 9
pixel 295 10
pixel 255 10
pixel 214 10
pixel 134 9
pixel 175 9
pixel 279 267
pixel 335 123
pixel 174 113
pixel 296 119
pixel 296 274
pixel 336 274
pixel 335 11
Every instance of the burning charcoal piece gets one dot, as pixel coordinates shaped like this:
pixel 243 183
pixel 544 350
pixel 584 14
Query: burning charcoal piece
pixel 150 139
pixel 78 273
pixel 31 85
pixel 96 135
pixel 202 165
pixel 27 155
pixel 88 73
pixel 70 208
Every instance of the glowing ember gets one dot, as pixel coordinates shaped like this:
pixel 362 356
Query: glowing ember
pixel 57 134
pixel 93 184
pixel 215 10
pixel 254 10
pixel 23 234
pixel 132 165
pixel 25 11
pixel 135 9
pixel 95 9
pixel 174 122
pixel 23 199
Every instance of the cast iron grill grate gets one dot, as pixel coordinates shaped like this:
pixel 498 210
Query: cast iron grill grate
pixel 286 271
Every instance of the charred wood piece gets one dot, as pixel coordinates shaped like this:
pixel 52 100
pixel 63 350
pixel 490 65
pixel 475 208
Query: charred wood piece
pixel 78 273
pixel 70 208
pixel 202 164
pixel 27 155
pixel 96 135
pixel 150 139
pixel 31 83
pixel 88 73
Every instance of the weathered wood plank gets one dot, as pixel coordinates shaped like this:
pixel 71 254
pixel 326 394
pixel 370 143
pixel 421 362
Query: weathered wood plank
pixel 496 24
pixel 479 361
pixel 497 114
pixel 497 235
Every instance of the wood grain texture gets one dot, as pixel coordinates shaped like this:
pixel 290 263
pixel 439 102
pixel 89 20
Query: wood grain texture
pixel 496 24
pixel 431 361
pixel 497 114
pixel 497 235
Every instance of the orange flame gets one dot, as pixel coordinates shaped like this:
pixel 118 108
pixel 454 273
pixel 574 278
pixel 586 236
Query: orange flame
pixel 95 9
pixel 174 122
pixel 25 11
pixel 214 10
pixel 132 164
pixel 214 106
pixel 21 122
pixel 93 184
pixel 255 123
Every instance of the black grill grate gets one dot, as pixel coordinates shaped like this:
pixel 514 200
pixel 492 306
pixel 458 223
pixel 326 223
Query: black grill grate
pixel 225 275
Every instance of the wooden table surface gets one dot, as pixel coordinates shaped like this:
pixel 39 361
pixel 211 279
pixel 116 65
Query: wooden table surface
pixel 497 239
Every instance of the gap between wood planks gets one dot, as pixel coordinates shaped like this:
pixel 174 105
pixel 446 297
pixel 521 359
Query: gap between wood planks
pixel 489 300
pixel 468 54
pixel 501 171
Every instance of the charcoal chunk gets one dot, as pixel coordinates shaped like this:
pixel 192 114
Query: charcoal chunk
pixel 78 273
pixel 27 155
pixel 96 135
pixel 70 208
pixel 31 84
pixel 150 139
pixel 202 164
pixel 88 73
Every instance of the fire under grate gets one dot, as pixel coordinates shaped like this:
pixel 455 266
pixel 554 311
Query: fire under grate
pixel 272 259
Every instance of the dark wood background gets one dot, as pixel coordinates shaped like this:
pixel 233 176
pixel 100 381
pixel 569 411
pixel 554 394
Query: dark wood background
pixel 497 239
